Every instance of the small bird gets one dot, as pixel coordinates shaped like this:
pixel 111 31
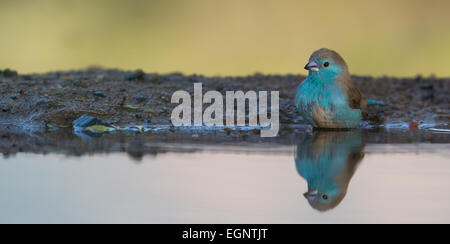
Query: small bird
pixel 327 160
pixel 328 98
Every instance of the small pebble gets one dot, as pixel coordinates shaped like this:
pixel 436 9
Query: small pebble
pixel 140 99
pixel 426 86
pixel 136 75
pixel 98 94
pixel 7 73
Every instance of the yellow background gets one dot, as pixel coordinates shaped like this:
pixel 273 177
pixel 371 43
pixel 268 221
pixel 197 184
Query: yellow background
pixel 400 38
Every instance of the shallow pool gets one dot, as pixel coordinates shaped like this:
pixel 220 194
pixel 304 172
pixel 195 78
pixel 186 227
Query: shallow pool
pixel 325 178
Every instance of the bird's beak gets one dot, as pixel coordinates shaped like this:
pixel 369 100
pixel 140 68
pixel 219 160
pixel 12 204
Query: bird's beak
pixel 312 66
pixel 311 195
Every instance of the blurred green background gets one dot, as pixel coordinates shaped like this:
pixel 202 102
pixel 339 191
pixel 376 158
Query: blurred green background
pixel 233 37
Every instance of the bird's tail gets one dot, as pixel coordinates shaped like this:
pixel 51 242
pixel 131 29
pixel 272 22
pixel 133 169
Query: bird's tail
pixel 375 102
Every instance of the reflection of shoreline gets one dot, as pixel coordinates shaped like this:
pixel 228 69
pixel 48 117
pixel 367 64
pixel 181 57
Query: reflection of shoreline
pixel 140 144
pixel 327 160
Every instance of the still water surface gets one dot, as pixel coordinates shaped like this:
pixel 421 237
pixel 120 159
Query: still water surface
pixel 374 183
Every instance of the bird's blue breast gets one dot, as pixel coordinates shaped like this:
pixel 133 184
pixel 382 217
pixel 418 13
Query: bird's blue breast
pixel 325 105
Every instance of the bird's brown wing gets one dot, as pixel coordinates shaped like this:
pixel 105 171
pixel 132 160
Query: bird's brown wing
pixel 355 99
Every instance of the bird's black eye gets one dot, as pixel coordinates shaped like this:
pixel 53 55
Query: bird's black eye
pixel 326 64
pixel 325 197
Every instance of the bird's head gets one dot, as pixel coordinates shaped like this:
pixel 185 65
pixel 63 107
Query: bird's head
pixel 325 197
pixel 325 64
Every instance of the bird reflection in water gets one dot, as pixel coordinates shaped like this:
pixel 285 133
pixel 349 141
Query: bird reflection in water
pixel 327 160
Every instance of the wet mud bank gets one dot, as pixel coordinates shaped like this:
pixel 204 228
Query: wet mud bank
pixel 37 111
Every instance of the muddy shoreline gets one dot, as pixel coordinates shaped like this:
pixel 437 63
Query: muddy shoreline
pixel 37 110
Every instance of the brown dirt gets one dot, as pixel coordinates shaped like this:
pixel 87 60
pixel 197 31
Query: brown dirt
pixel 30 102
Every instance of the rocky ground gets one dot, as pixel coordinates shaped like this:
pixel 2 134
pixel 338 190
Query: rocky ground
pixel 39 104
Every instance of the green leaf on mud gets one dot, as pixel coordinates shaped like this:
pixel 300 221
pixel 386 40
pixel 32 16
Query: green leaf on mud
pixel 126 106
pixel 131 107
pixel 99 129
